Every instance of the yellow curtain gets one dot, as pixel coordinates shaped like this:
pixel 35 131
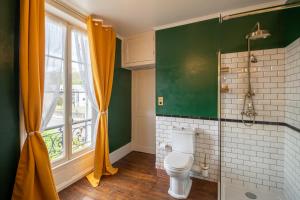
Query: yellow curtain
pixel 102 42
pixel 34 177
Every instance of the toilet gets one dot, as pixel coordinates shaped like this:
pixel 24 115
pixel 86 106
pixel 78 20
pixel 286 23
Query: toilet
pixel 179 162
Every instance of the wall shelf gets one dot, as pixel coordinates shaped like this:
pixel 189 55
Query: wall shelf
pixel 224 69
pixel 225 89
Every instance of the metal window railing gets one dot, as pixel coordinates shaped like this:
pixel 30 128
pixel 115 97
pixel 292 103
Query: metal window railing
pixel 81 137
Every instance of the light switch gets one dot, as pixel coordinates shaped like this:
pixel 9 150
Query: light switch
pixel 160 101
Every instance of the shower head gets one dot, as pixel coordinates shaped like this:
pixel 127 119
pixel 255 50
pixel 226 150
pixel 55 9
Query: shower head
pixel 258 33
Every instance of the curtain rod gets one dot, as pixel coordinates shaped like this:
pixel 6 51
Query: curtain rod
pixel 261 10
pixel 75 13
pixel 66 8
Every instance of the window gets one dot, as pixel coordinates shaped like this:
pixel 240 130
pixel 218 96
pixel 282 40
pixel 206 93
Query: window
pixel 69 110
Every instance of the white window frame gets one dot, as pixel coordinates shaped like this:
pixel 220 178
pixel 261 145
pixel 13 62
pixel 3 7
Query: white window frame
pixel 68 155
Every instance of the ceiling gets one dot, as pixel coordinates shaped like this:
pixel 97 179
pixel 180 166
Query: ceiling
pixel 130 17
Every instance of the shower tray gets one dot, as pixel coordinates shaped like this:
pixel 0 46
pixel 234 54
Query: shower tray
pixel 236 192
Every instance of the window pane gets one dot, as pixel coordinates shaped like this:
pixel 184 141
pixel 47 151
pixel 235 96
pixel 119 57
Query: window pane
pixel 83 114
pixel 55 38
pixel 54 103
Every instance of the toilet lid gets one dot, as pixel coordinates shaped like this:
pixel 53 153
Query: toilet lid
pixel 178 161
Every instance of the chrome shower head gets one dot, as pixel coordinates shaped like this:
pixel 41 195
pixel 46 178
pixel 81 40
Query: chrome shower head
pixel 258 33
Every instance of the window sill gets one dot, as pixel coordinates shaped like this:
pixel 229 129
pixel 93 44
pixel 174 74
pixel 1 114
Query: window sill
pixel 73 170
pixel 55 167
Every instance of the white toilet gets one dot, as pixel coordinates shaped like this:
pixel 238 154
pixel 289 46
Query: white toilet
pixel 179 162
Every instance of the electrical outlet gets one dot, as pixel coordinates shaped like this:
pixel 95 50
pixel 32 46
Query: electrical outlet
pixel 160 101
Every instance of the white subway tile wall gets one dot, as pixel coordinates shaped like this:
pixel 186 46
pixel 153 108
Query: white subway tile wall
pixel 253 156
pixel 250 156
pixel 292 165
pixel 292 84
pixel 206 141
pixel 292 117
pixel 267 79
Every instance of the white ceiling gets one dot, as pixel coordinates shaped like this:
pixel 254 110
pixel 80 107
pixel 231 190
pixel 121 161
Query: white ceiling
pixel 130 17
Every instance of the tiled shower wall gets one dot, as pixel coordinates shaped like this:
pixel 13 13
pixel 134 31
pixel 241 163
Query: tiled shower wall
pixel 292 84
pixel 253 155
pixel 265 155
pixel 267 80
pixel 292 117
pixel 292 165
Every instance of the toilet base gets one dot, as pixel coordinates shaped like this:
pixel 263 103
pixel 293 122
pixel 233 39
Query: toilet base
pixel 180 190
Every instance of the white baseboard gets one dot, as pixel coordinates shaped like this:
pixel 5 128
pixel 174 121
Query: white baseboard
pixel 144 149
pixel 75 170
pixel 120 153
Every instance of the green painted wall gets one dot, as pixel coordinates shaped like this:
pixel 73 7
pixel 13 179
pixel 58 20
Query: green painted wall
pixel 292 1
pixel 9 117
pixel 233 32
pixel 281 24
pixel 186 69
pixel 291 25
pixel 119 114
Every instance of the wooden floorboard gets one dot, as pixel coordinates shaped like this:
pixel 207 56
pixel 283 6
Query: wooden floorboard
pixel 137 179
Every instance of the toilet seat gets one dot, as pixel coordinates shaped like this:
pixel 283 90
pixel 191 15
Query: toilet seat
pixel 177 161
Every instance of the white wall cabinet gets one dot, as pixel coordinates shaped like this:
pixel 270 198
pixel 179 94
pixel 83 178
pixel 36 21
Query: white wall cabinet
pixel 139 50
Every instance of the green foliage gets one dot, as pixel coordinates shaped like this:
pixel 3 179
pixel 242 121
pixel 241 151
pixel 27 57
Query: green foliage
pixel 54 141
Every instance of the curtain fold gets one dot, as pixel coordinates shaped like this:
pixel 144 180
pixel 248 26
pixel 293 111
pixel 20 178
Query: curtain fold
pixel 102 41
pixel 34 177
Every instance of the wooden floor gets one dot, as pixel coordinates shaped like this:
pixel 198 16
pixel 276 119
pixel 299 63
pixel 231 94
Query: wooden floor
pixel 137 179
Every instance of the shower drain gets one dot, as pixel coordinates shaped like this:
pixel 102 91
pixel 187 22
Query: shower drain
pixel 251 195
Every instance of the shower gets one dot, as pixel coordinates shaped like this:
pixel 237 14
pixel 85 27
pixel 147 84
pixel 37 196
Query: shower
pixel 248 106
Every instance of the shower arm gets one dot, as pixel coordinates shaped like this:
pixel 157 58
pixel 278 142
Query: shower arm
pixel 253 28
pixel 257 25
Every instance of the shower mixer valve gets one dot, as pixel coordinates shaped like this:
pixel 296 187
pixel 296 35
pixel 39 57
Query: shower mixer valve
pixel 250 94
pixel 249 113
pixel 248 108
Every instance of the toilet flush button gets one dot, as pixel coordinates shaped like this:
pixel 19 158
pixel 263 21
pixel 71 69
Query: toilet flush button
pixel 160 101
